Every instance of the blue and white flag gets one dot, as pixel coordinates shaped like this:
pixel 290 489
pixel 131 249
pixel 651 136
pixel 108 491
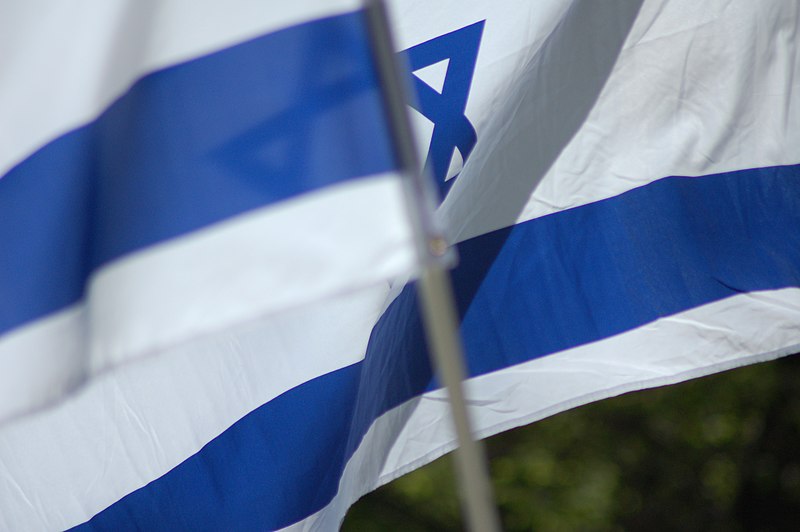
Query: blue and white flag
pixel 622 180
pixel 199 210
pixel 171 171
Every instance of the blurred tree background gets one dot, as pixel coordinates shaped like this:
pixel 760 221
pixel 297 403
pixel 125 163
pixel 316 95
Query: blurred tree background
pixel 718 453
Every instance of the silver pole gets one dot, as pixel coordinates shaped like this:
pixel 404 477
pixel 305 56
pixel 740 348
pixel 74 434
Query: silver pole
pixel 436 296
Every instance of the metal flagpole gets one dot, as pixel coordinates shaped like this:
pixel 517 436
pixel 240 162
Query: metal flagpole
pixel 436 297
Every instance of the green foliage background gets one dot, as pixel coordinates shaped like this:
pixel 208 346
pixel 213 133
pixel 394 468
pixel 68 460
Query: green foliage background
pixel 718 453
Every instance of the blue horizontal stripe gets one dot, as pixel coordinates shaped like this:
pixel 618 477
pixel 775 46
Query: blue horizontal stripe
pixel 185 147
pixel 537 288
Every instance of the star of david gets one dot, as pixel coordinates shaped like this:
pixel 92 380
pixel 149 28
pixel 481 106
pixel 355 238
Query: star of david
pixel 277 145
pixel 451 128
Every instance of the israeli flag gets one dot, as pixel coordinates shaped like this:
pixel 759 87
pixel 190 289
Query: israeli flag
pixel 201 209
pixel 622 180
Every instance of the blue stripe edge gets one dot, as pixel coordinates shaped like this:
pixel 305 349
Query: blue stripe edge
pixel 651 252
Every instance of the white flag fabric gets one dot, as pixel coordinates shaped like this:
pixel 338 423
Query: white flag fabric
pixel 186 189
pixel 622 181
pixel 162 182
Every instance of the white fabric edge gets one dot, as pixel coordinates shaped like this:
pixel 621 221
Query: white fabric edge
pixel 171 293
pixel 112 43
pixel 130 426
pixel 283 255
pixel 741 330
pixel 42 361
